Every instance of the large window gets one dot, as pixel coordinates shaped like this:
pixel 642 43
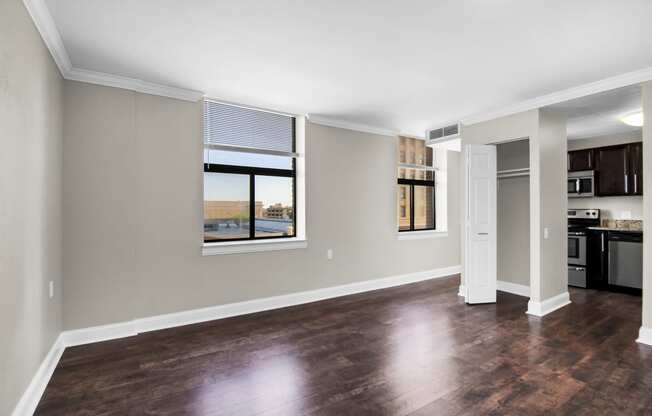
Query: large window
pixel 249 174
pixel 416 186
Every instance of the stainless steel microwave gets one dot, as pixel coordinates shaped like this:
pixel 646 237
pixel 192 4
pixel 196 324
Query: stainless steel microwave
pixel 581 184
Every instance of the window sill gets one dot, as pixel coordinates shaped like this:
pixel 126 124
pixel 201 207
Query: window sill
pixel 235 247
pixel 420 235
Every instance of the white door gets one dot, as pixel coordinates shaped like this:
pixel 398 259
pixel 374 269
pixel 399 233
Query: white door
pixel 480 253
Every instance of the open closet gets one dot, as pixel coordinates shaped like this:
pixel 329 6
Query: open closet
pixel 513 222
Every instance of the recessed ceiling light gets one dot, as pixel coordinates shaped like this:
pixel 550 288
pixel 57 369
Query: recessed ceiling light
pixel 633 119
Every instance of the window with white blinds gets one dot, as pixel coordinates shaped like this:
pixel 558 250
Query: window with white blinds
pixel 249 174
pixel 233 126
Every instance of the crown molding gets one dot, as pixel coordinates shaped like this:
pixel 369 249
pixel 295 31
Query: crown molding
pixel 326 121
pixel 45 25
pixel 133 84
pixel 606 84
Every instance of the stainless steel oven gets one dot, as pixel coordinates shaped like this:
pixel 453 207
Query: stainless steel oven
pixel 581 184
pixel 578 222
pixel 577 248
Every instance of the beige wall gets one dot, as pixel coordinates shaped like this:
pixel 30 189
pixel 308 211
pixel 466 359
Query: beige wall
pixel 133 213
pixel 513 214
pixel 647 206
pixel 617 207
pixel 30 201
pixel 552 142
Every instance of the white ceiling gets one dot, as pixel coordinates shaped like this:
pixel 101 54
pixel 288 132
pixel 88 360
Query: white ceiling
pixel 599 114
pixel 403 66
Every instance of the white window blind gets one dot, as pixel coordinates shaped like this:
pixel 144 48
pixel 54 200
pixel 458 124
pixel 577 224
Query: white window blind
pixel 228 126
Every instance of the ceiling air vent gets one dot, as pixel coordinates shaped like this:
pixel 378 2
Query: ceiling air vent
pixel 443 134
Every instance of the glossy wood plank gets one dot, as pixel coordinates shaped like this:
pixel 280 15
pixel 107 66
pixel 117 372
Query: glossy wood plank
pixel 412 350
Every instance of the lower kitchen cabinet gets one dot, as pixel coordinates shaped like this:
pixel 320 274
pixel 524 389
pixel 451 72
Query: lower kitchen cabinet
pixel 614 261
pixel 596 259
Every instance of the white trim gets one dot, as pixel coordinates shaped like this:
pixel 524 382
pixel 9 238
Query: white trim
pixel 645 336
pixel 513 288
pixel 40 14
pixel 99 333
pixel 116 81
pixel 130 328
pixel 32 395
pixel 548 305
pixel 325 121
pixel 420 235
pixel 45 25
pixel 253 246
pixel 462 291
pixel 583 90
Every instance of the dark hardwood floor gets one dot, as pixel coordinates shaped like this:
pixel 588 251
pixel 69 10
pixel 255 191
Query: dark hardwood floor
pixel 412 350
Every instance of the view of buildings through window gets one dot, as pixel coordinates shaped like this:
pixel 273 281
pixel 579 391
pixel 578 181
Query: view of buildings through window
pixel 416 185
pixel 248 191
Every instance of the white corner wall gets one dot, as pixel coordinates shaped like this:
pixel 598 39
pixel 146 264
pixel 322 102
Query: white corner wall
pixel 31 119
pixel 646 328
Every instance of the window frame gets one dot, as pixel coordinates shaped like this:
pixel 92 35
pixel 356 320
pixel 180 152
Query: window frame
pixel 420 182
pixel 253 172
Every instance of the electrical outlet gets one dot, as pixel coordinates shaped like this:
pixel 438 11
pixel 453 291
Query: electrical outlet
pixel 546 234
pixel 329 254
pixel 51 287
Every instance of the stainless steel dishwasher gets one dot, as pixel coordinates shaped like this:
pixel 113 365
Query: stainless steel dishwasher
pixel 626 259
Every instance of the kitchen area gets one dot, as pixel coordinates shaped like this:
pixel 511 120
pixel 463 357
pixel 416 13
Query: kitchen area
pixel 605 202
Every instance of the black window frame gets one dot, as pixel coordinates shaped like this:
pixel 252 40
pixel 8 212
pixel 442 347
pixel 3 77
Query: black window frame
pixel 253 172
pixel 420 182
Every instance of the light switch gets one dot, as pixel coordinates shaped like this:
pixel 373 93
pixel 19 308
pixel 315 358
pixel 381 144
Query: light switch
pixel 546 234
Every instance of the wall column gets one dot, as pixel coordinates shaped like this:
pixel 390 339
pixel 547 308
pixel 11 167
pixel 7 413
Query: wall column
pixel 645 335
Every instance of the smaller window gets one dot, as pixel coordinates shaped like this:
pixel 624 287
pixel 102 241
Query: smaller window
pixel 416 182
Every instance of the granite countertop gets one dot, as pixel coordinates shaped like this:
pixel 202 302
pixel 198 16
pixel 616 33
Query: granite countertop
pixel 620 230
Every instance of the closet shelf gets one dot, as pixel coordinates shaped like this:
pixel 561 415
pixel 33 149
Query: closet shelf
pixel 513 173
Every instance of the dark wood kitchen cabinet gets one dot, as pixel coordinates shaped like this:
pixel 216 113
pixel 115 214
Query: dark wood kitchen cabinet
pixel 618 169
pixel 611 170
pixel 580 160
pixel 596 259
pixel 635 175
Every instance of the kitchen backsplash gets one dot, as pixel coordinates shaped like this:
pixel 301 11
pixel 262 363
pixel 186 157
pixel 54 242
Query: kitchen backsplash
pixel 635 225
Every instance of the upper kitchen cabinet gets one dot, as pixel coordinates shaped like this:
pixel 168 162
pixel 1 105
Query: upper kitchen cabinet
pixel 619 170
pixel 635 176
pixel 612 165
pixel 580 160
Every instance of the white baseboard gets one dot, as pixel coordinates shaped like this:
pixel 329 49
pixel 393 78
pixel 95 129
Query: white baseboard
pixel 549 305
pixel 32 395
pixel 131 328
pixel 513 288
pixel 98 333
pixel 645 336
pixel 462 291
